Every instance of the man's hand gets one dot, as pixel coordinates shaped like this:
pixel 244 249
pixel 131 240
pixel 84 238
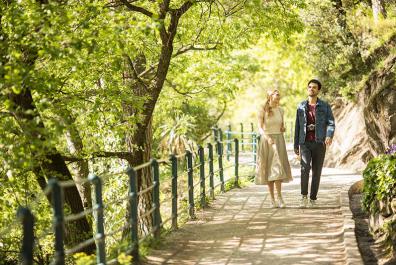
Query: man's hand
pixel 297 152
pixel 283 129
pixel 328 141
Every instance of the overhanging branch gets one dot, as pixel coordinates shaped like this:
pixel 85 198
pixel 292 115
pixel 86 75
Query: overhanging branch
pixel 216 120
pixel 136 8
pixel 193 47
pixel 122 155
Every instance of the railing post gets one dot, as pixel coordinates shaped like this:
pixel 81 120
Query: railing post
pixel 190 182
pixel 211 170
pixel 254 148
pixel 100 234
pixel 58 221
pixel 220 155
pixel 220 137
pixel 228 134
pixel 156 199
pixel 173 160
pixel 133 201
pixel 202 175
pixel 242 136
pixel 27 220
pixel 236 162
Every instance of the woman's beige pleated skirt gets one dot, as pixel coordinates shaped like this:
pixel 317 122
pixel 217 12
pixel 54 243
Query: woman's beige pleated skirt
pixel 272 161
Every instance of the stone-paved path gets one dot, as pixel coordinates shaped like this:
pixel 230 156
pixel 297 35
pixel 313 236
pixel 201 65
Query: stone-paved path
pixel 241 228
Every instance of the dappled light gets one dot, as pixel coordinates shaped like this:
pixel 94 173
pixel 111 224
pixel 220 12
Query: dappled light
pixel 133 131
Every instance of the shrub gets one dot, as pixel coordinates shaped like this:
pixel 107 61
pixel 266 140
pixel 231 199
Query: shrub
pixel 379 181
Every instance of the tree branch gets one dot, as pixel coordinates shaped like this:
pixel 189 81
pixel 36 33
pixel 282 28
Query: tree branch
pixel 134 72
pixel 187 93
pixel 122 155
pixel 222 112
pixel 137 8
pixel 192 47
pixel 216 120
pixel 6 114
pixel 183 8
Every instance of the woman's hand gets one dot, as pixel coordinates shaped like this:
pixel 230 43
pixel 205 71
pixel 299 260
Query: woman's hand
pixel 270 141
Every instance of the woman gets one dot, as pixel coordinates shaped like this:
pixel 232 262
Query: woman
pixel 273 166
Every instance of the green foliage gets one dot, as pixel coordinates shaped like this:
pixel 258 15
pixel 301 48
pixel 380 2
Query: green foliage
pixel 84 259
pixel 226 54
pixel 379 181
pixel 230 184
pixel 343 41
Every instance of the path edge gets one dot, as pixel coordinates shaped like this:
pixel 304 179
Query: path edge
pixel 352 252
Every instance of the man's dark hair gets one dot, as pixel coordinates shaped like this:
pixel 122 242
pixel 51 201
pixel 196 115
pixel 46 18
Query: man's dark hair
pixel 315 81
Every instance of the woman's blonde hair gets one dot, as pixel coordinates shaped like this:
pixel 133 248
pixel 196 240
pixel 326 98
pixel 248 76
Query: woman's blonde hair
pixel 266 108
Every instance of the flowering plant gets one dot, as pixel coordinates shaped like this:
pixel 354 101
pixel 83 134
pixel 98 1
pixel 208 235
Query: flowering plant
pixel 391 149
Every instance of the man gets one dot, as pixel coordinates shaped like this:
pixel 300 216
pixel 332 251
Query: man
pixel 313 133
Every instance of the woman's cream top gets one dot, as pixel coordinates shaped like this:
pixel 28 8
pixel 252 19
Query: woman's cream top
pixel 272 124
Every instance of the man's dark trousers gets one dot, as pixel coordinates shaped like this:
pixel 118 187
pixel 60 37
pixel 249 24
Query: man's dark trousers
pixel 312 153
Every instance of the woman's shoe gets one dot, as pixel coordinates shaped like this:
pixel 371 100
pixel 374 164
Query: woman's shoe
pixel 273 204
pixel 281 202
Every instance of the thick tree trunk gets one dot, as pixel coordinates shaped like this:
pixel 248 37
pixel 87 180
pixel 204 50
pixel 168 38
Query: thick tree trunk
pixel 141 154
pixel 80 168
pixel 49 163
pixel 139 142
pixel 379 10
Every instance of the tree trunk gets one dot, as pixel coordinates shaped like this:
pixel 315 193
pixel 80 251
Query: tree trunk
pixel 379 10
pixel 48 164
pixel 80 168
pixel 140 141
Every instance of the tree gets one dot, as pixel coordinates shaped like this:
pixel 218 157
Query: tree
pixel 147 72
pixel 81 82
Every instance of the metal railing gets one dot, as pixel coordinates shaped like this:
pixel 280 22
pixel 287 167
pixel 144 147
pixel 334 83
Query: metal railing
pixel 241 146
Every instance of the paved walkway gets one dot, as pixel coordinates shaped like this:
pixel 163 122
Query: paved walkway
pixel 241 228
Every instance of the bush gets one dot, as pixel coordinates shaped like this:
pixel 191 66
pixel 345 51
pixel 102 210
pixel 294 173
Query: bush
pixel 379 181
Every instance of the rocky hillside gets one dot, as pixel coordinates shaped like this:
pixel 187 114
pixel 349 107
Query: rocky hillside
pixel 366 128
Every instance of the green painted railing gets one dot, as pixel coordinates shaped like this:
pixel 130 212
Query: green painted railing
pixel 240 145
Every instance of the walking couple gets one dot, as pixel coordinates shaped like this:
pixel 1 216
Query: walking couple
pixel 314 130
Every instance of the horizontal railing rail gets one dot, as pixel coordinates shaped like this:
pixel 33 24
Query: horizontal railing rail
pixel 212 168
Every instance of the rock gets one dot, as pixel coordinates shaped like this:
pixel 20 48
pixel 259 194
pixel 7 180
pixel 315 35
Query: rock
pixel 351 149
pixel 385 207
pixel 374 223
pixel 380 106
pixel 393 205
pixel 368 127
pixel 356 188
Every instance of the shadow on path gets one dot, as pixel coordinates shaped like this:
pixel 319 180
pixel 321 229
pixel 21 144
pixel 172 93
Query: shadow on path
pixel 241 228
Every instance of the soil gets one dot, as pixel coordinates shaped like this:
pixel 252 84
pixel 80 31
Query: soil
pixel 372 252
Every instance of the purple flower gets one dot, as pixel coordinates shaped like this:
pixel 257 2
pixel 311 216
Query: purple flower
pixel 391 149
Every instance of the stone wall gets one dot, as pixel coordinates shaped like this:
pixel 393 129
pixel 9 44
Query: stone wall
pixel 383 224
